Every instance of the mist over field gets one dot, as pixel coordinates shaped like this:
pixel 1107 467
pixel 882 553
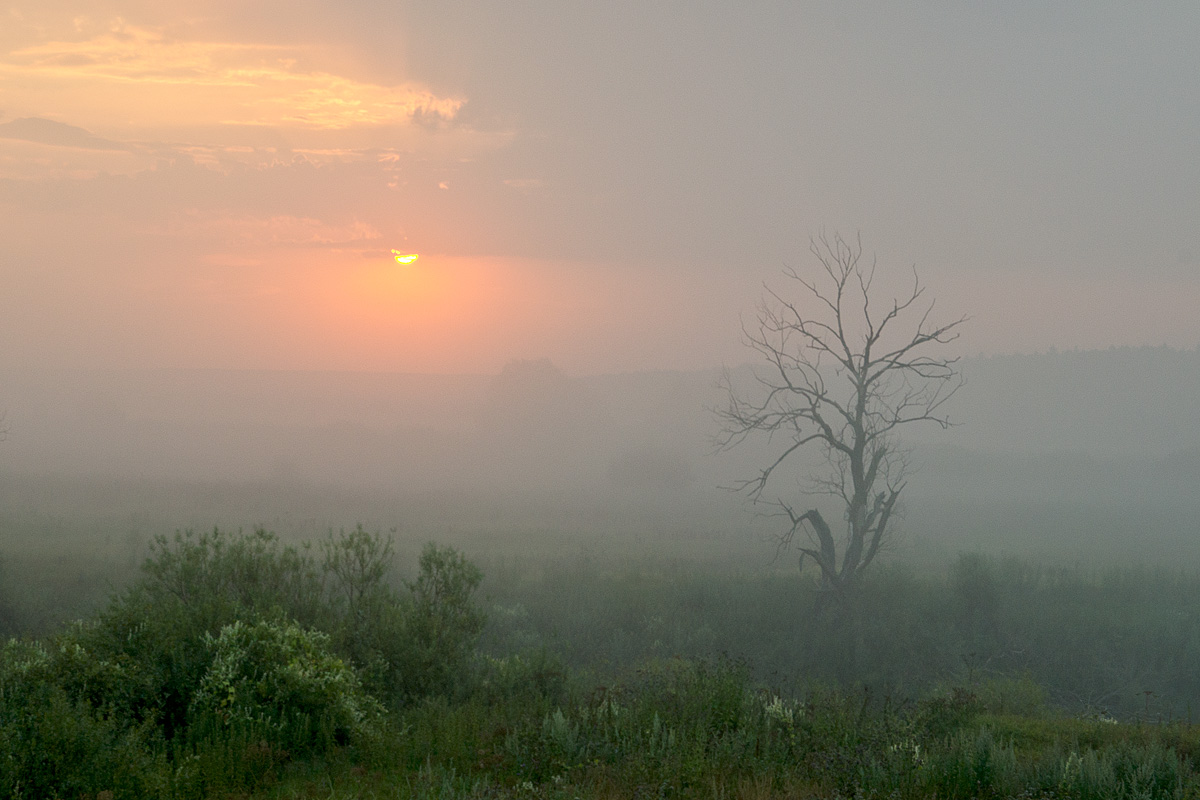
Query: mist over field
pixel 1083 456
pixel 546 401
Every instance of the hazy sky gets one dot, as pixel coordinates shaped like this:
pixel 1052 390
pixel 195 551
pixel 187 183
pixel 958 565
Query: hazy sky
pixel 220 183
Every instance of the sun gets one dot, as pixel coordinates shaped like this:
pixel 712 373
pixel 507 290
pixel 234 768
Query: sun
pixel 404 258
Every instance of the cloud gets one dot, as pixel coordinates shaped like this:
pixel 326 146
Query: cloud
pixel 279 229
pixel 58 134
pixel 143 76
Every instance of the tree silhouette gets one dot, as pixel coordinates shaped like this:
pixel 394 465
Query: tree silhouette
pixel 842 375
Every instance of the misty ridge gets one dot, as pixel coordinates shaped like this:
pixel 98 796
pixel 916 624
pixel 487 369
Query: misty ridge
pixel 1084 443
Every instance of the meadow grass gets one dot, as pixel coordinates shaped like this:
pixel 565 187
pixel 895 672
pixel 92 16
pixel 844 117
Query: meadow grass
pixel 244 666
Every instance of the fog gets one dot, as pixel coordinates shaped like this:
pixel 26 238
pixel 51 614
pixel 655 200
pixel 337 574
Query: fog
pixel 1087 455
pixel 203 329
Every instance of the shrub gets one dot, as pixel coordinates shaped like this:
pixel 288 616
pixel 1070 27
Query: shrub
pixel 52 745
pixel 192 586
pixel 231 574
pixel 233 654
pixel 441 624
pixel 281 681
pixel 404 646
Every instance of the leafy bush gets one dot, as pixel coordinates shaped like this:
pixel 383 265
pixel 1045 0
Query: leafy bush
pixel 233 573
pixel 231 656
pixel 52 745
pixel 281 681
pixel 442 623
pixel 150 644
pixel 406 646
pixel 192 586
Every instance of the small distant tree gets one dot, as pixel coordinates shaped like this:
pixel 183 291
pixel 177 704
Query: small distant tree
pixel 842 375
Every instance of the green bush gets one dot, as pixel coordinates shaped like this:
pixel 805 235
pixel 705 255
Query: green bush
pixel 52 745
pixel 407 646
pixel 233 655
pixel 152 638
pixel 442 623
pixel 192 586
pixel 230 574
pixel 281 681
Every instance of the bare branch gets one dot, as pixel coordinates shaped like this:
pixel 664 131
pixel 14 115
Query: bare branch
pixel 844 377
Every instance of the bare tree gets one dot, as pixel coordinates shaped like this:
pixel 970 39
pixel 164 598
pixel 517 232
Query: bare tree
pixel 842 376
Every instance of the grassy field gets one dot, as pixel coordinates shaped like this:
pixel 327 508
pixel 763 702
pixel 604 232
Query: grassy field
pixel 361 665
pixel 676 728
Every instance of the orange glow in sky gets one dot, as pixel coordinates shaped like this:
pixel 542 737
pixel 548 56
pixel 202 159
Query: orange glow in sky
pixel 234 176
pixel 144 77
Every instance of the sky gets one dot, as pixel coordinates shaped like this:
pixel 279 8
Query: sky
pixel 220 184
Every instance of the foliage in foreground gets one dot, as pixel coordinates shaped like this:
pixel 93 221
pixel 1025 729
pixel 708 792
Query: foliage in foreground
pixel 677 728
pixel 242 667
pixel 674 728
pixel 231 641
